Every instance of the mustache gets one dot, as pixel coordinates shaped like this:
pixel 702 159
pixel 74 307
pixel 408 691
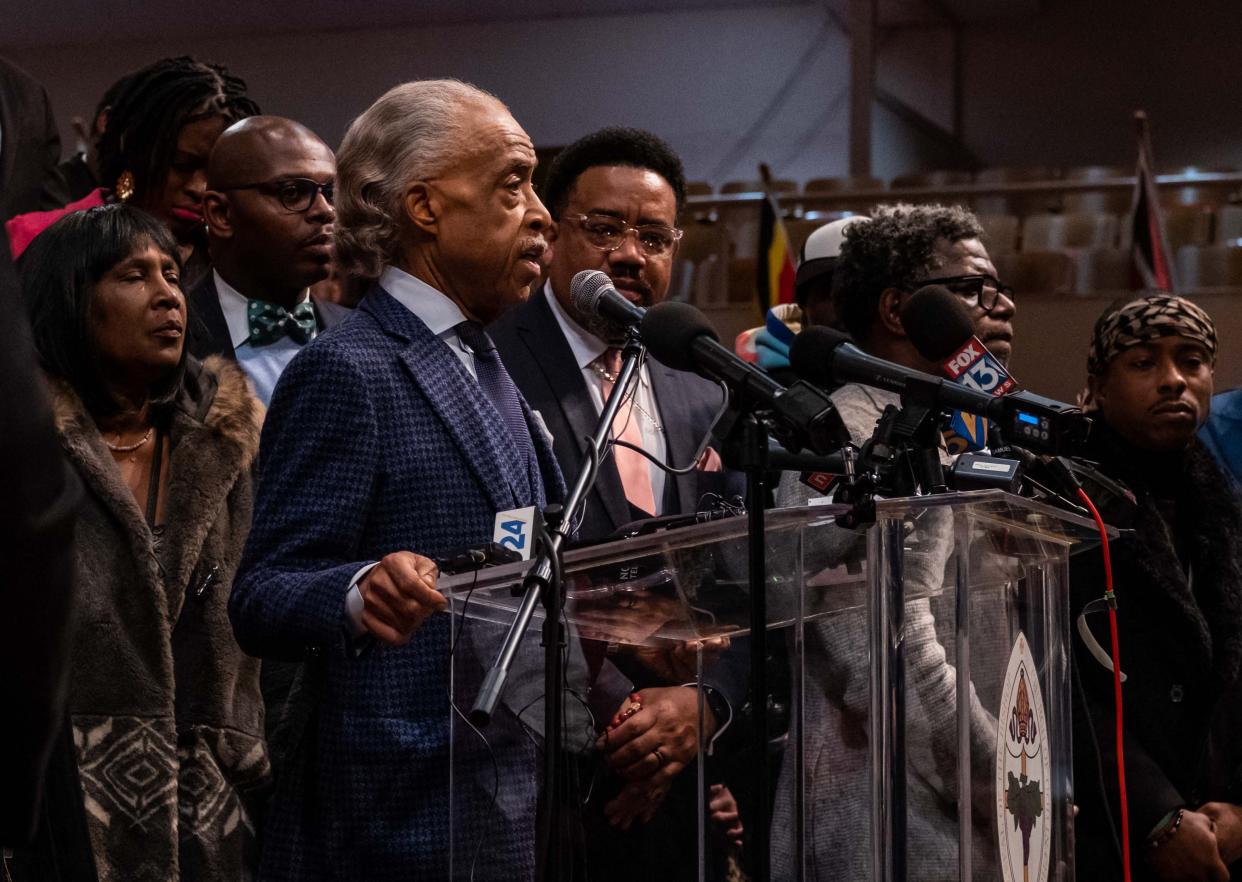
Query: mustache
pixel 635 284
pixel 534 247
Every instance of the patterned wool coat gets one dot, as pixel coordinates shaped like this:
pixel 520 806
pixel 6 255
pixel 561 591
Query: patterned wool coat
pixel 378 440
pixel 165 709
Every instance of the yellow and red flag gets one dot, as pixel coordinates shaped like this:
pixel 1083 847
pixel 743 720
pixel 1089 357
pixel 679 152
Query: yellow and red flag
pixel 777 264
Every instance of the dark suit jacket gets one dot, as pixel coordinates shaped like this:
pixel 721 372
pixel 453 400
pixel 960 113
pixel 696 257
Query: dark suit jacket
pixel 36 549
pixel 29 146
pixel 542 364
pixel 207 333
pixel 378 440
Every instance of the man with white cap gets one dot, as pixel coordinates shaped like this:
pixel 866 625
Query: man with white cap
pixel 768 345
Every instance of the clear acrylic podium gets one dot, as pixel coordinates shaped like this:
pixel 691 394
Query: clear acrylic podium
pixel 920 703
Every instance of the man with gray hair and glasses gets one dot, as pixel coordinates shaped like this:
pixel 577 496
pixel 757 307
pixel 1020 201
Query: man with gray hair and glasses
pixel 394 439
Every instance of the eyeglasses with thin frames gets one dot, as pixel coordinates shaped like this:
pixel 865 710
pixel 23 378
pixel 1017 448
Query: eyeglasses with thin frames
pixel 607 233
pixel 293 194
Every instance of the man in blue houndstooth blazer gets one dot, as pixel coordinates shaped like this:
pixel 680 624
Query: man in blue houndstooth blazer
pixel 392 439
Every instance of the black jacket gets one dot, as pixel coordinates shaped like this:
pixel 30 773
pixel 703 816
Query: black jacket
pixel 29 146
pixel 539 359
pixel 207 332
pixel 1178 581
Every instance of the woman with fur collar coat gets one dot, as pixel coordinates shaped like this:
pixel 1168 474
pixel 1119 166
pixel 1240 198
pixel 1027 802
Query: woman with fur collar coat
pixel 165 711
pixel 1178 580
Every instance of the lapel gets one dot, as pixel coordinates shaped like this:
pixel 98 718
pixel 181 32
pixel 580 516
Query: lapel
pixel 682 434
pixel 455 396
pixel 209 332
pixel 86 450
pixel 1170 589
pixel 198 488
pixel 550 351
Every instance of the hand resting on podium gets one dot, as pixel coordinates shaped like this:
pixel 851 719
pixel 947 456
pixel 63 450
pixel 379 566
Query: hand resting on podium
pixel 398 595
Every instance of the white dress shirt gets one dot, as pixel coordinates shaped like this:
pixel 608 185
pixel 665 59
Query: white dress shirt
pixel 441 316
pixel 262 364
pixel 435 310
pixel 586 347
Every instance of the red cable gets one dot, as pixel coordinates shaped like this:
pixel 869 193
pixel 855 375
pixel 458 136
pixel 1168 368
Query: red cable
pixel 1112 627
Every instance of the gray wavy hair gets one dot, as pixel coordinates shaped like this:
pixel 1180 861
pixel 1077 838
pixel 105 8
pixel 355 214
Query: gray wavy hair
pixel 413 132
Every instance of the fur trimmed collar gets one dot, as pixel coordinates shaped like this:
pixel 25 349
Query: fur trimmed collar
pixel 1207 601
pixel 217 395
pixel 214 430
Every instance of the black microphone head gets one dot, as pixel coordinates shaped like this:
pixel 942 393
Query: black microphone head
pixel 585 293
pixel 668 329
pixel 586 289
pixel 810 354
pixel 937 322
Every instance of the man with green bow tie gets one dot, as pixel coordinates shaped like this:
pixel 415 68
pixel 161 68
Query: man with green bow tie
pixel 269 216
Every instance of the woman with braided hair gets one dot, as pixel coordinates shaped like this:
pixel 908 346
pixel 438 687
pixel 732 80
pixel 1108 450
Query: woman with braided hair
pixel 161 126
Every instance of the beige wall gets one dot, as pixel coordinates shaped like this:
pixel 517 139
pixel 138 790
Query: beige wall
pixel 1051 336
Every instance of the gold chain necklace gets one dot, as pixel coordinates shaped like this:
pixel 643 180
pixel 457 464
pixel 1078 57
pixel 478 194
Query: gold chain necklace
pixel 632 397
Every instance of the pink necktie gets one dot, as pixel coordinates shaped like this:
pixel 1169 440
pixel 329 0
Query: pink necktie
pixel 633 467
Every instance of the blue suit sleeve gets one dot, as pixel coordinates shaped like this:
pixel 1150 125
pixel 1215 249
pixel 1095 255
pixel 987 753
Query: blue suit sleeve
pixel 318 460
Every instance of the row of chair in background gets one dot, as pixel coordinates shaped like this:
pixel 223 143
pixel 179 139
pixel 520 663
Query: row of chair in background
pixel 1184 225
pixel 1199 268
pixel 1199 224
pixel 1047 193
pixel 709 272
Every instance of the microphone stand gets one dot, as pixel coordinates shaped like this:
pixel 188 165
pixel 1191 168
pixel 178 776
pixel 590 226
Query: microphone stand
pixel 802 418
pixel 543 582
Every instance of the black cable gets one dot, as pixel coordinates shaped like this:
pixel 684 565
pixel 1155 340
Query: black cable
pixel 465 606
pixel 495 783
pixel 698 454
pixel 453 643
pixel 1099 757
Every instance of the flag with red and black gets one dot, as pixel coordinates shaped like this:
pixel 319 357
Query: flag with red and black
pixel 1151 265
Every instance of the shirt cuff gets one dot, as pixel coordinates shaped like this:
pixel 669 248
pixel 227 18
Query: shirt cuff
pixel 353 603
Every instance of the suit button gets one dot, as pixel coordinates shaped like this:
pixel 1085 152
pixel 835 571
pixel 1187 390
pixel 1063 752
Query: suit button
pixel 1176 694
pixel 312 651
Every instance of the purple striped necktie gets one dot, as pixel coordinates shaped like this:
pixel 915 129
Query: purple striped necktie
pixel 496 383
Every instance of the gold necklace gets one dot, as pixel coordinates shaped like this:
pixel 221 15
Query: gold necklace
pixel 632 397
pixel 128 448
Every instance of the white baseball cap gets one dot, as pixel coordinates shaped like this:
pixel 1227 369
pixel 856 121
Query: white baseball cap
pixel 823 247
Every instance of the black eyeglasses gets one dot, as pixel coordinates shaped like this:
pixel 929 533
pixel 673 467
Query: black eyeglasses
pixel 294 194
pixel 607 233
pixel 982 290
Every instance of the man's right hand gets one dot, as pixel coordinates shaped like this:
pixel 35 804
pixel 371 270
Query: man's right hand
pixel 1190 854
pixel 398 594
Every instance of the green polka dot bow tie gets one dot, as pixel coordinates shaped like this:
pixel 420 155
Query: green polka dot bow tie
pixel 269 322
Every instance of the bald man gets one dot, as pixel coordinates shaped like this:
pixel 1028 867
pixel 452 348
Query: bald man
pixel 269 218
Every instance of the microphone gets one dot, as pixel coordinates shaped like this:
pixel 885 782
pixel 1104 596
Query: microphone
pixel 939 327
pixel 824 356
pixel 937 323
pixel 596 299
pixel 681 337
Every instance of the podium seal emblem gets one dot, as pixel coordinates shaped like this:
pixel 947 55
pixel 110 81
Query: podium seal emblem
pixel 1023 772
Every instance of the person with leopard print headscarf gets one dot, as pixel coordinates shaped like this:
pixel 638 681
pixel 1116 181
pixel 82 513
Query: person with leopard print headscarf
pixel 1178 579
